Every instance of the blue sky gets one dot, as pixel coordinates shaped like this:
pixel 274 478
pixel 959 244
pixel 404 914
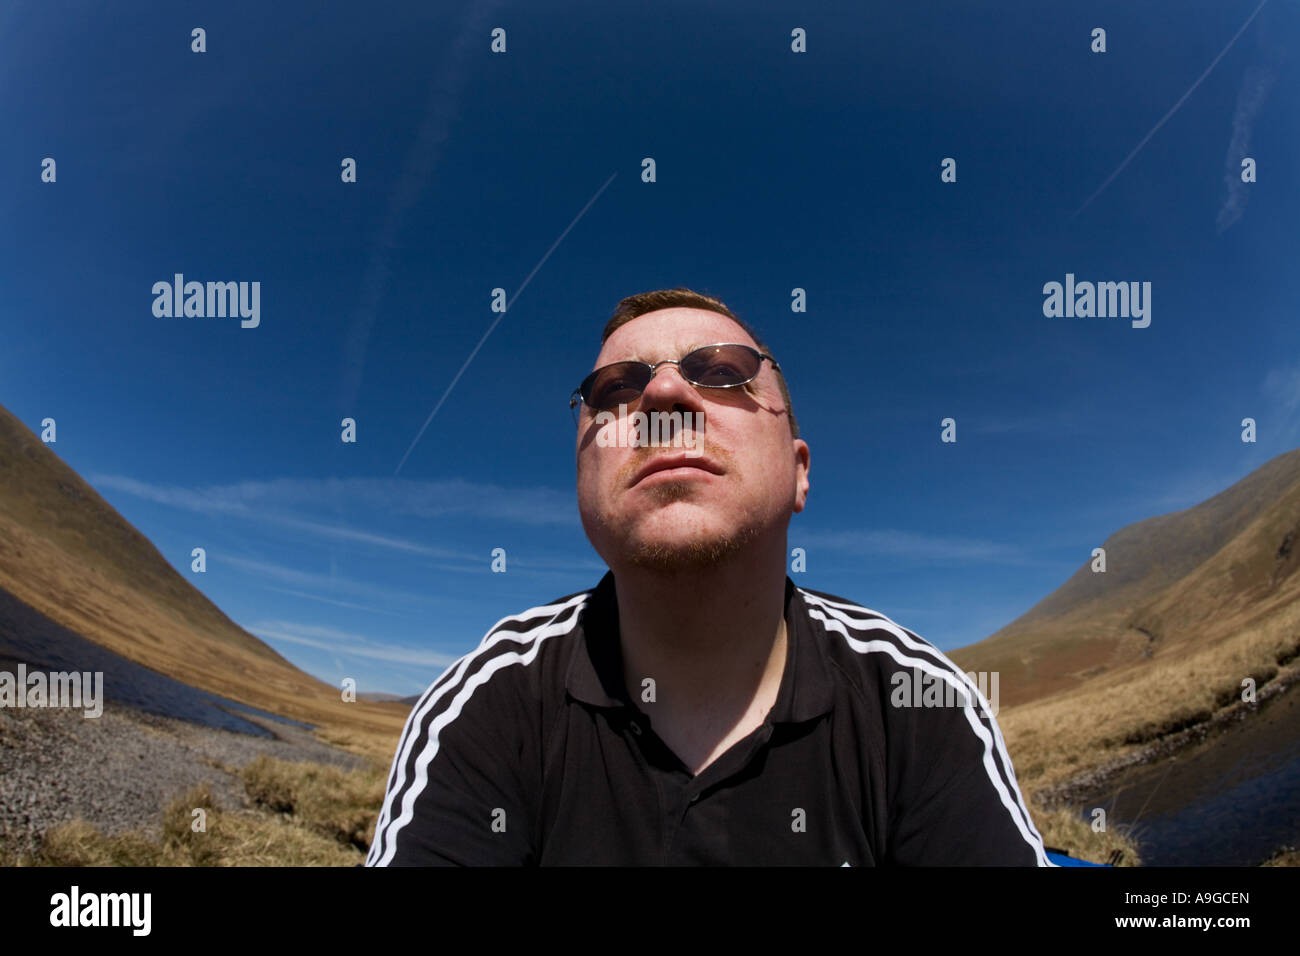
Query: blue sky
pixel 775 170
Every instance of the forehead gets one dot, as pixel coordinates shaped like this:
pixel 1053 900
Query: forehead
pixel 670 334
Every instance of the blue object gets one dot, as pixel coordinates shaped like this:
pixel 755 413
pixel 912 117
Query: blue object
pixel 1061 858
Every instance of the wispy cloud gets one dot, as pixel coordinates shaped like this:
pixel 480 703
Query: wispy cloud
pixel 912 546
pixel 325 600
pixel 1254 89
pixel 274 500
pixel 1281 386
pixel 521 569
pixel 451 71
pixel 319 581
pixel 1172 110
pixel 1046 426
pixel 431 499
pixel 356 536
pixel 231 500
pixel 349 645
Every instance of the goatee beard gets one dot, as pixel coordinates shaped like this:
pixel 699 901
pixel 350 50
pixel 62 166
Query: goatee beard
pixel 697 555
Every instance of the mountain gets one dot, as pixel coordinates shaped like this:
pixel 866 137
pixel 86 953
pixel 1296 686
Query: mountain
pixel 1173 585
pixel 67 553
pixel 410 701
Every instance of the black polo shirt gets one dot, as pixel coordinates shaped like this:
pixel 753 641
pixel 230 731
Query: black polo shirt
pixel 528 750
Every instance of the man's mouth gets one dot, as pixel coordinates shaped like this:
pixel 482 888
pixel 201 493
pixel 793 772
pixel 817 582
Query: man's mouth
pixel 679 465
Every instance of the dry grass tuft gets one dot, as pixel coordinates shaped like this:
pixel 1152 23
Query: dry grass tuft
pixel 1063 829
pixel 1286 856
pixel 343 805
pixel 304 815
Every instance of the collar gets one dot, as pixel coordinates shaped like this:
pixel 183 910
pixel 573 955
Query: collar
pixel 595 674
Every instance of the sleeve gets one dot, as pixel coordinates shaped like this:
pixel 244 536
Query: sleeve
pixel 456 794
pixel 954 799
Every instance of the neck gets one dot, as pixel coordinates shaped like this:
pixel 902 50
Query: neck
pixel 713 639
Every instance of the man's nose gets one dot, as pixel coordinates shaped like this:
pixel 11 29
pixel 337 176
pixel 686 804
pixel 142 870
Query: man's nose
pixel 667 386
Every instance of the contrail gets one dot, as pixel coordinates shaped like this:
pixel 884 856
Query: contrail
pixel 1172 111
pixel 445 92
pixel 1254 89
pixel 498 319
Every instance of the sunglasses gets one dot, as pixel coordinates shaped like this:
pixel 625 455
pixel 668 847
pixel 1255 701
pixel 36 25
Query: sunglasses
pixel 727 365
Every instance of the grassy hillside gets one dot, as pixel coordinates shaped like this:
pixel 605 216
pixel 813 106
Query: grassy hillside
pixel 66 552
pixel 1173 584
pixel 1191 605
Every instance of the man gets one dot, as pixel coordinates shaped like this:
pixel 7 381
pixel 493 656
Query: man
pixel 696 706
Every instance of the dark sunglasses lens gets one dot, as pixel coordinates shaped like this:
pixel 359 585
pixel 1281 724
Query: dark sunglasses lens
pixel 614 385
pixel 721 365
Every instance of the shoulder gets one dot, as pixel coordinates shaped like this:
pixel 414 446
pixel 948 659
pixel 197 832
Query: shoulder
pixel 868 641
pixel 518 648
pixel 944 756
pixel 516 659
pixel 889 664
pixel 466 739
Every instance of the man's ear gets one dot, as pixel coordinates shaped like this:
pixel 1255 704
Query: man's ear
pixel 802 458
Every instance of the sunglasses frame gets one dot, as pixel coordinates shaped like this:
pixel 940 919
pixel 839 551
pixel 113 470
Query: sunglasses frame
pixel 577 397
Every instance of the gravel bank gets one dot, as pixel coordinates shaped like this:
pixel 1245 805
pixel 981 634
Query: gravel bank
pixel 120 770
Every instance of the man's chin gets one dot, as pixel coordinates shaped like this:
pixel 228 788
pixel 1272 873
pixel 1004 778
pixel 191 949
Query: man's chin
pixel 695 554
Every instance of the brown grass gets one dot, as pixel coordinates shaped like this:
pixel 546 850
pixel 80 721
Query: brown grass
pixel 1062 829
pixel 342 805
pixel 304 814
pixel 1053 740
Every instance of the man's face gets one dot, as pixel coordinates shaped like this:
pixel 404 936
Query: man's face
pixel 751 476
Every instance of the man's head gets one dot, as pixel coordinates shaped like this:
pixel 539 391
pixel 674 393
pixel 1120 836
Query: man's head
pixel 752 476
